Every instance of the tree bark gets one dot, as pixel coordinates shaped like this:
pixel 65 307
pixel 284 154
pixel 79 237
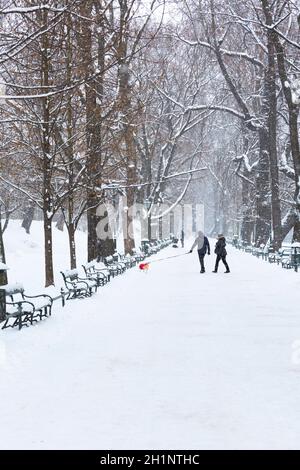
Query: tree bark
pixel 3 274
pixel 125 107
pixel 293 111
pixel 93 90
pixel 47 164
pixel 263 209
pixel 272 131
pixel 263 223
pixel 72 245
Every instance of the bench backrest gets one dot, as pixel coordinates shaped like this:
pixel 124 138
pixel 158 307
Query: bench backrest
pixel 14 292
pixel 285 252
pixel 123 257
pixel 108 260
pixel 70 275
pixel 89 268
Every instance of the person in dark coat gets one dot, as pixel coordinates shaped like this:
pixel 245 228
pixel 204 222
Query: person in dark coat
pixel 221 253
pixel 182 238
pixel 203 247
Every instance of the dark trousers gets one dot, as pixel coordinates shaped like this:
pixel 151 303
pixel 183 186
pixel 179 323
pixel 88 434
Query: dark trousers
pixel 223 258
pixel 201 259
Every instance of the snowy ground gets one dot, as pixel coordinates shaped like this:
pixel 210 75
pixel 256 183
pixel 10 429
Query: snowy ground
pixel 168 359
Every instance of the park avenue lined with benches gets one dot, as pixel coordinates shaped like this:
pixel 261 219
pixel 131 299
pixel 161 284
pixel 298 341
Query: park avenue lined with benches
pixel 19 309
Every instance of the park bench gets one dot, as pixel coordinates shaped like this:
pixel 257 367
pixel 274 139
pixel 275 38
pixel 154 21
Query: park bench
pixel 101 275
pixel 285 258
pixel 129 260
pixel 290 257
pixel 76 286
pixel 165 242
pixel 272 257
pixel 258 252
pixel 150 248
pixel 239 244
pixel 114 267
pixel 154 248
pixel 23 310
pixel 122 261
pixel 255 252
pixel 146 247
pixel 295 256
pixel 139 255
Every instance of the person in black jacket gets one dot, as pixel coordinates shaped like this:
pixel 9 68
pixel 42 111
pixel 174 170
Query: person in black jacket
pixel 203 246
pixel 182 238
pixel 221 253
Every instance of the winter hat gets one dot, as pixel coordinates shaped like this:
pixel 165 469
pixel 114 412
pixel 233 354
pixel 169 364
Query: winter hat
pixel 220 236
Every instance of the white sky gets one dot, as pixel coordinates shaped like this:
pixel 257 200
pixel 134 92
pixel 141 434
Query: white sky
pixel 168 10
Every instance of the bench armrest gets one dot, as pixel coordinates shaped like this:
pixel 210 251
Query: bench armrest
pixel 100 274
pixel 80 279
pixel 100 271
pixel 38 296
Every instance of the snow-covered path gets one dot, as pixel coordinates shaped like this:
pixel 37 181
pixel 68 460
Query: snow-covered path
pixel 168 359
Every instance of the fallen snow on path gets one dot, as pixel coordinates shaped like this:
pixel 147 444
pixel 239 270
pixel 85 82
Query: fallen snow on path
pixel 168 359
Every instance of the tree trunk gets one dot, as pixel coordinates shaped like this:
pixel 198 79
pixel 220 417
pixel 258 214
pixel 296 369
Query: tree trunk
pixel 49 276
pixel 93 90
pixel 272 131
pixel 3 274
pixel 293 110
pixel 69 220
pixel 47 160
pixel 72 245
pixel 126 109
pixel 247 217
pixel 6 222
pixel 293 115
pixel 263 209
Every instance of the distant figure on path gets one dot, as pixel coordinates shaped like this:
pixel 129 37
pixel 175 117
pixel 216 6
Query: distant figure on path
pixel 182 238
pixel 221 253
pixel 202 244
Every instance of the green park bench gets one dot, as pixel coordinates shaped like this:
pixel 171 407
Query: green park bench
pixel 21 309
pixel 77 287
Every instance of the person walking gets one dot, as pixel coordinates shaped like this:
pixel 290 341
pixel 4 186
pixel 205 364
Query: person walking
pixel 203 247
pixel 221 253
pixel 182 238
